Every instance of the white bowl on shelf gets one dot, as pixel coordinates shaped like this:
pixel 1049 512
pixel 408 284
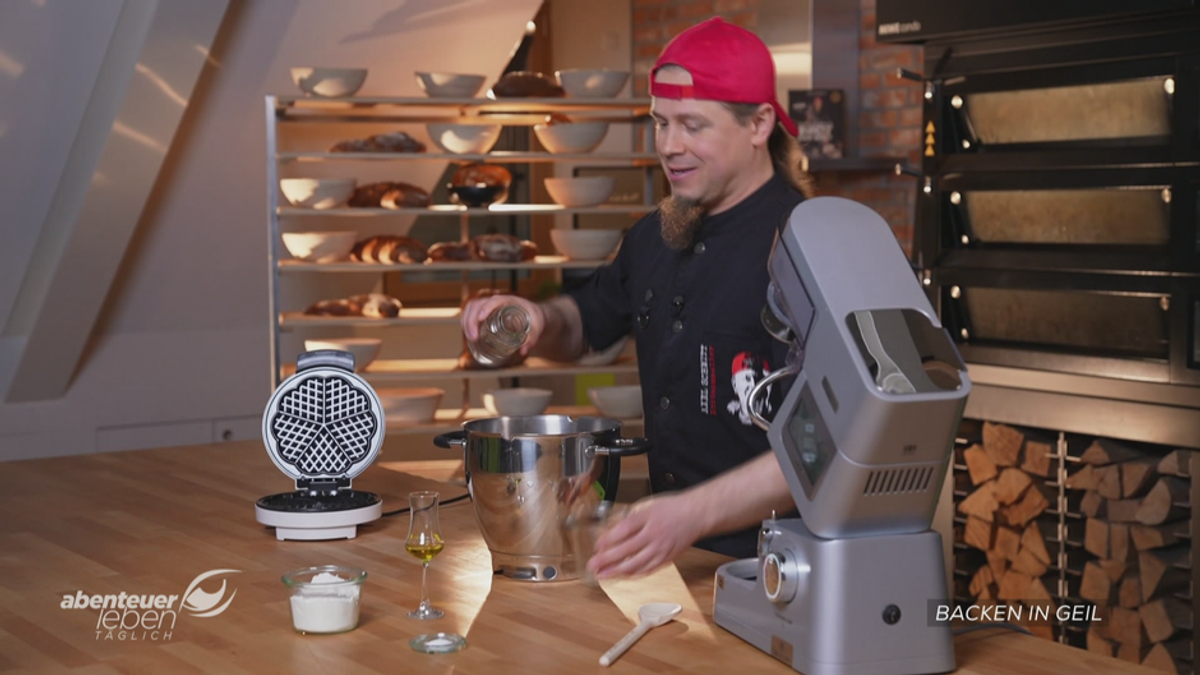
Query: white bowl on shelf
pixel 605 356
pixel 450 85
pixel 580 190
pixel 592 82
pixel 462 139
pixel 411 405
pixel 620 402
pixel 319 246
pixel 364 350
pixel 585 244
pixel 317 193
pixel 517 401
pixel 329 82
pixel 571 137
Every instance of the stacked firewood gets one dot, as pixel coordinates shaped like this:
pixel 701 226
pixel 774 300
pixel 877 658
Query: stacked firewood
pixel 1137 523
pixel 1007 472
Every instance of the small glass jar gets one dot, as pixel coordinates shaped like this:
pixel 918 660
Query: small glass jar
pixel 500 335
pixel 325 599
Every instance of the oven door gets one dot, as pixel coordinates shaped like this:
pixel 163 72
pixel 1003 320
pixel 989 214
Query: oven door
pixel 1139 327
pixel 1099 109
pixel 1121 220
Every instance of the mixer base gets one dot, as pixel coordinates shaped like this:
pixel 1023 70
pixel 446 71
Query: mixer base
pixel 534 567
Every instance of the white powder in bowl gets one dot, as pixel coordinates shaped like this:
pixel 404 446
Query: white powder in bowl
pixel 333 609
pixel 326 578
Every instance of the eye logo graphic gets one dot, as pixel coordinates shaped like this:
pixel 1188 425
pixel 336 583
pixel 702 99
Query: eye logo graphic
pixel 200 603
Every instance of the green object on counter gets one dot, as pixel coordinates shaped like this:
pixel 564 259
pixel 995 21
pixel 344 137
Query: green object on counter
pixel 599 489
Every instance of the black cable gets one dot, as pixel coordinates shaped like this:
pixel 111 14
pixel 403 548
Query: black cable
pixel 406 509
pixel 982 626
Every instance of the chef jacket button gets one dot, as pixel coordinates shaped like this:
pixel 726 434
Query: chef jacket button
pixel 664 403
pixel 677 301
pixel 669 478
pixel 677 326
pixel 699 248
pixel 649 294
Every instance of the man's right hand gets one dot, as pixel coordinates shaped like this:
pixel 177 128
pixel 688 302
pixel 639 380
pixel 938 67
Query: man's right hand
pixel 478 309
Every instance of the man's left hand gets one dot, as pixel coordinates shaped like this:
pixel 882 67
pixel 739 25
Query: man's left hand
pixel 656 531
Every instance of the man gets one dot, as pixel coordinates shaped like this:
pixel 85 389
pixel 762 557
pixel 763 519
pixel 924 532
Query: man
pixel 689 282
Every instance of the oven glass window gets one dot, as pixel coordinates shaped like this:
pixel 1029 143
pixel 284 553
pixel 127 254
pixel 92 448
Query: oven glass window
pixel 1126 109
pixel 1089 217
pixel 1099 323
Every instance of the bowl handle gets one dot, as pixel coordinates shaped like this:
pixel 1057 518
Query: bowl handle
pixel 451 439
pixel 622 447
pixel 763 387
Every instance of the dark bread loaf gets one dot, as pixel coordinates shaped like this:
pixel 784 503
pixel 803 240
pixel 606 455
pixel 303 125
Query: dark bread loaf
pixel 449 251
pixel 378 305
pixel 496 248
pixel 388 194
pixel 485 174
pixel 396 141
pixel 371 305
pixel 526 84
pixel 403 195
pixel 343 307
pixel 529 250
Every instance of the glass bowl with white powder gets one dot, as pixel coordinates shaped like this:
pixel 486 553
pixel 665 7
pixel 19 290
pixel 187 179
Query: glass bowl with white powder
pixel 325 599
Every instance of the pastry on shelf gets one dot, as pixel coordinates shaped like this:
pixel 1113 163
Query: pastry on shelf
pixel 395 141
pixel 389 250
pixel 450 251
pixel 486 174
pixel 477 185
pixel 389 195
pixel 370 305
pixel 378 305
pixel 529 250
pixel 502 248
pixel 526 84
pixel 340 307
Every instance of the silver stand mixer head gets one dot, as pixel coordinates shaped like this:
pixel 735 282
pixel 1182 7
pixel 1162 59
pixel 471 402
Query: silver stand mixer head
pixel 864 438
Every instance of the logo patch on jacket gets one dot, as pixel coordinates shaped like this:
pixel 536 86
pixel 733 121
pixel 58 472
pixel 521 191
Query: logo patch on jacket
pixel 744 371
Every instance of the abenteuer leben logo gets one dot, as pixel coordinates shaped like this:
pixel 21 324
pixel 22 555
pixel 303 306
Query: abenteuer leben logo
pixel 133 617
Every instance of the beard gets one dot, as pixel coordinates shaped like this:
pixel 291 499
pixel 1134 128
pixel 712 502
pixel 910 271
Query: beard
pixel 680 218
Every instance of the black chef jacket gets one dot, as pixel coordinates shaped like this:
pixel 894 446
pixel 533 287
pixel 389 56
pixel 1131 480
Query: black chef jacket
pixel 700 341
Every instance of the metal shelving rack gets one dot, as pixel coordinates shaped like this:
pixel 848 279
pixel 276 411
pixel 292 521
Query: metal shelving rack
pixel 508 112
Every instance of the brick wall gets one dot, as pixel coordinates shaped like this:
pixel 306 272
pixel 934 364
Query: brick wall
pixel 655 22
pixel 888 124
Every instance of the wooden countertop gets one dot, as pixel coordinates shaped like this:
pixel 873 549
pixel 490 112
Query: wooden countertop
pixel 152 521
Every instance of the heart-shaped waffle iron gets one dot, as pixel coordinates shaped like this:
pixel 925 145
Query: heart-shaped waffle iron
pixel 323 426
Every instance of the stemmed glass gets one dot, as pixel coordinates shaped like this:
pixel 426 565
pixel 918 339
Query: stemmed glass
pixel 423 543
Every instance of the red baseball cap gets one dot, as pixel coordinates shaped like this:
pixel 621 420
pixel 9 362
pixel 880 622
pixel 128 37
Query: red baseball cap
pixel 727 63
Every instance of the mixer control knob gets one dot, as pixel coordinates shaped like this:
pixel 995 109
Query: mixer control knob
pixel 781 576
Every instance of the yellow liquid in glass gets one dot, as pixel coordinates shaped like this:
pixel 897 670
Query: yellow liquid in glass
pixel 425 550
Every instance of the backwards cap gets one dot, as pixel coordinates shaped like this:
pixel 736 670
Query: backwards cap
pixel 727 63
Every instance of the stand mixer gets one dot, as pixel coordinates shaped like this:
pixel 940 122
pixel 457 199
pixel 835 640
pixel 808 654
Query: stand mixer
pixel 864 438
